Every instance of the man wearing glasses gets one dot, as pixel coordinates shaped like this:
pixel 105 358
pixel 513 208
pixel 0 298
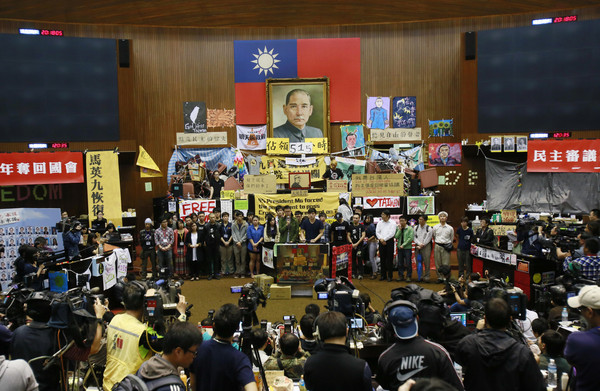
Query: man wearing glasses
pixel 180 346
pixel 582 348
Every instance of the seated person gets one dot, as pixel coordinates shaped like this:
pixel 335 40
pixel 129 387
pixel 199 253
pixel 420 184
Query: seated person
pixel 292 358
pixel 371 314
pixel 589 263
pixel 260 340
pixel 308 342
pixel 111 234
pixel 206 326
pixel 99 224
pixel 553 345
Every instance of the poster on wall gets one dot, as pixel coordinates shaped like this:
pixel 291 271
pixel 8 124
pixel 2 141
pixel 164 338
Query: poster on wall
pixel 441 128
pixel 353 140
pixel 377 112
pixel 496 144
pixel 404 111
pixel 445 154
pixel 509 144
pixel 22 226
pixel 420 205
pixel 252 138
pixel 194 117
pixel 521 143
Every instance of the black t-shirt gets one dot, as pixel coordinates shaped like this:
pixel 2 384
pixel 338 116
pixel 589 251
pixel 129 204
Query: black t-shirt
pixel 356 232
pixel 212 234
pixel 339 233
pixel 217 187
pixel 333 174
pixel 311 229
pixel 202 231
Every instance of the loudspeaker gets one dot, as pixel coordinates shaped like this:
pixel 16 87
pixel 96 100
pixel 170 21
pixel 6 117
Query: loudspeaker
pixel 124 53
pixel 470 45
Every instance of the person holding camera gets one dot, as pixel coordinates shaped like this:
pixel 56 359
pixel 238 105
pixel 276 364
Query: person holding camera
pixel 493 360
pixel 71 239
pixel 130 342
pixel 218 365
pixel 290 359
pixel 334 368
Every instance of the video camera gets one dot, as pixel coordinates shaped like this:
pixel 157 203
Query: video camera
pixel 342 296
pixel 12 305
pixel 163 304
pixel 250 297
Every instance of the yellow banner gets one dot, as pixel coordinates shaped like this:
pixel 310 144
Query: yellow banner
pixel 104 185
pixel 311 146
pixel 277 165
pixel 145 160
pixel 322 202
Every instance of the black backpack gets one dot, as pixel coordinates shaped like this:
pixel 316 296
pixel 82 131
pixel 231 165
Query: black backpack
pixel 135 383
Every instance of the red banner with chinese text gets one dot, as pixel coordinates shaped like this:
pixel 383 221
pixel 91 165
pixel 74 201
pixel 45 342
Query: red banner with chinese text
pixel 563 156
pixel 41 168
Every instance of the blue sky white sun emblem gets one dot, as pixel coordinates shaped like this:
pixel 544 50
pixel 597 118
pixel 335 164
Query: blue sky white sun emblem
pixel 265 61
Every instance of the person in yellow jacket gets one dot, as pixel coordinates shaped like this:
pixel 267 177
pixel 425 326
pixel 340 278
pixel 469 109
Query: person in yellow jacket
pixel 129 342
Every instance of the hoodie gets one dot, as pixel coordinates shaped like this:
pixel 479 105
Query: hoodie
pixel 157 368
pixel 494 361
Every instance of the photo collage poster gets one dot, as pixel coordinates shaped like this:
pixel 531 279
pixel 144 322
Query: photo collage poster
pixel 22 226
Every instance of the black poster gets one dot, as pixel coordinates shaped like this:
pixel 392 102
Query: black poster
pixel 194 117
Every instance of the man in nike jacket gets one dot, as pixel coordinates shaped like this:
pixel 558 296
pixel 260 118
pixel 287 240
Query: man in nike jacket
pixel 412 356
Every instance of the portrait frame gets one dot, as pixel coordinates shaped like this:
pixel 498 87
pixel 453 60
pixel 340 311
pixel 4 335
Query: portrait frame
pixel 522 143
pixel 277 89
pixel 496 144
pixel 304 180
pixel 509 144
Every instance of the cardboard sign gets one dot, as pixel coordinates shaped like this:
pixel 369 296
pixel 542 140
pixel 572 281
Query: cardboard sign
pixel 396 134
pixel 509 216
pixel 381 202
pixel 338 186
pixel 260 184
pixel 208 138
pixel 187 207
pixel 383 184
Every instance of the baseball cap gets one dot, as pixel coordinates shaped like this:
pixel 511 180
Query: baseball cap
pixel 404 322
pixel 338 215
pixel 148 221
pixel 589 296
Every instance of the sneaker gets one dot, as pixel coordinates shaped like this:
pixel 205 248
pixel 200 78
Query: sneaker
pixel 407 279
pixel 389 279
pixel 374 277
pixel 400 279
pixel 210 277
pixel 360 277
pixel 381 278
pixel 217 277
pixel 236 276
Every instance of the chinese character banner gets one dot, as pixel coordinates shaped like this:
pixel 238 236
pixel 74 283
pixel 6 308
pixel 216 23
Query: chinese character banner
pixel 104 185
pixel 40 168
pixel 563 156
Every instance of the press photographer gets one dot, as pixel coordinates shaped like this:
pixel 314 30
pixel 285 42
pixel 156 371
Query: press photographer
pixel 54 326
pixel 130 342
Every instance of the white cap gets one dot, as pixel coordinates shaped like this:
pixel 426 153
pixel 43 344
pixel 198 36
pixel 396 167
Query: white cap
pixel 589 296
pixel 148 221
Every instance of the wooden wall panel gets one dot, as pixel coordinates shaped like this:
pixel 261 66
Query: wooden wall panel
pixel 172 65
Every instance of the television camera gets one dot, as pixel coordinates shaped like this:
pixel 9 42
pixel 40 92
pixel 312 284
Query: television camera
pixel 342 296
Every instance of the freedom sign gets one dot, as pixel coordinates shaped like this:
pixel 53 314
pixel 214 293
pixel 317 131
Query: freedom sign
pixel 187 207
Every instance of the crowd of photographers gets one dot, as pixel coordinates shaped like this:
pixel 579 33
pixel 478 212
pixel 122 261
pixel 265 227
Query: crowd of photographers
pixel 505 351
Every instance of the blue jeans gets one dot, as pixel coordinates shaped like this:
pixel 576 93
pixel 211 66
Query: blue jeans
pixel 404 262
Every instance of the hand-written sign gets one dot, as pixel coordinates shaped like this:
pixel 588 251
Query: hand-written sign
pixel 281 146
pixel 509 215
pixel 260 184
pixel 381 184
pixel 396 134
pixel 338 186
pixel 209 138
